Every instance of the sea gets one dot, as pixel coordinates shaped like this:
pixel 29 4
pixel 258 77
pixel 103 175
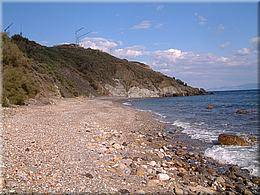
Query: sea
pixel 191 115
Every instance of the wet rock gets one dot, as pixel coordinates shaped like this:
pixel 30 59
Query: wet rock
pixel 247 192
pixel 256 180
pixel 210 106
pixel 242 111
pixel 240 188
pixel 163 177
pixel 228 139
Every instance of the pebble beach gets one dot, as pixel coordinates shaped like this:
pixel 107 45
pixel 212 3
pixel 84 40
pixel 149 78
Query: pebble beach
pixel 101 146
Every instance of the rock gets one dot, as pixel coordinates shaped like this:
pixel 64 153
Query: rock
pixel 252 139
pixel 247 192
pixel 163 177
pixel 256 180
pixel 124 144
pixel 27 150
pixel 210 106
pixel 160 154
pixel 140 171
pixel 228 139
pixel 161 150
pixel 123 191
pixel 152 163
pixel 178 190
pixel 88 175
pixel 2 183
pixel 153 182
pixel 116 146
pixel 167 158
pixel 140 192
pixel 123 169
pixel 242 111
pixel 220 180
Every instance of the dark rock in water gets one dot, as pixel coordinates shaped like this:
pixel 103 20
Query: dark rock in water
pixel 228 139
pixel 242 111
pixel 210 106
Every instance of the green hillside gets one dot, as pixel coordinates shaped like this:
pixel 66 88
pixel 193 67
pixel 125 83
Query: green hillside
pixel 31 70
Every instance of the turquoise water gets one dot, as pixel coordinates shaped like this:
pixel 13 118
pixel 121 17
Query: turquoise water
pixel 192 116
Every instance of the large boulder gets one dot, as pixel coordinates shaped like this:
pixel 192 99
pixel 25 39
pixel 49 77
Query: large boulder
pixel 228 139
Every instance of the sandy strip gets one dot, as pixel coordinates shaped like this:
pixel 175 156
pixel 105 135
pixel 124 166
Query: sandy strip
pixel 83 145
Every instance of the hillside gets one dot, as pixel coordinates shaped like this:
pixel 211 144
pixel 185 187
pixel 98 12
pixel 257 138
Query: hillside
pixel 31 70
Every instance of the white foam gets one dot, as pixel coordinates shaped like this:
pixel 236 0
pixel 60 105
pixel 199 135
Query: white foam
pixel 201 133
pixel 159 114
pixel 245 157
pixel 127 104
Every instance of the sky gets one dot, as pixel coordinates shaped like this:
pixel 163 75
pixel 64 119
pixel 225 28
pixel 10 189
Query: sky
pixel 207 45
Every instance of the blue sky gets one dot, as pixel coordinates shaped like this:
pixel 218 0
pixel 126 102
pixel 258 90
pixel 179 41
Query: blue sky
pixel 205 44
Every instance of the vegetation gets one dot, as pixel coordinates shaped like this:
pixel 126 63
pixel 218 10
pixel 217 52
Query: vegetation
pixel 31 70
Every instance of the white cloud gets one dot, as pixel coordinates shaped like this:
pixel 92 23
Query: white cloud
pixel 130 52
pixel 160 25
pixel 145 24
pixel 244 51
pixel 113 47
pixel 100 43
pixel 159 7
pixel 201 19
pixel 180 59
pixel 170 55
pixel 255 41
pixel 224 45
pixel 220 28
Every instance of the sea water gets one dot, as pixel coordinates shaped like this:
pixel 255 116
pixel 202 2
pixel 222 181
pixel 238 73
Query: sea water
pixel 190 113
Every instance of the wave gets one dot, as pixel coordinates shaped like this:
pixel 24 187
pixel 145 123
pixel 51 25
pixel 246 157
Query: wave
pixel 198 131
pixel 245 157
pixel 127 104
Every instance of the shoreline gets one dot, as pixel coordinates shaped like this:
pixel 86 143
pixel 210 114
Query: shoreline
pixel 97 145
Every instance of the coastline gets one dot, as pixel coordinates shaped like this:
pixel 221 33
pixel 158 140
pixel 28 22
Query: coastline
pixel 100 145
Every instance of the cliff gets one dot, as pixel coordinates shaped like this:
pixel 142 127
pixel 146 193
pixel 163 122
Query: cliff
pixel 31 70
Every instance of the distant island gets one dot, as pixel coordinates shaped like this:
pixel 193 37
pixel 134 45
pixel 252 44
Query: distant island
pixel 246 86
pixel 33 71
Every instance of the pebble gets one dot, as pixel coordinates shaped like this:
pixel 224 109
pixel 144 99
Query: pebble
pixel 153 182
pixel 116 146
pixel 124 191
pixel 152 163
pixel 163 176
pixel 178 190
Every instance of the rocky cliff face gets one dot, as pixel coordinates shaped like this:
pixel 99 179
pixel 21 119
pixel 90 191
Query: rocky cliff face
pixel 70 71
